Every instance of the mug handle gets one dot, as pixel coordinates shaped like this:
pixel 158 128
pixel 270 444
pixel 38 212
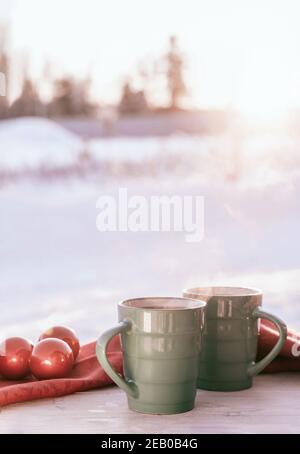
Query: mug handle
pixel 256 368
pixel 101 351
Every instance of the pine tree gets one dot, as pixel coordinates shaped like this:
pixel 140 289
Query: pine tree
pixel 4 69
pixel 174 74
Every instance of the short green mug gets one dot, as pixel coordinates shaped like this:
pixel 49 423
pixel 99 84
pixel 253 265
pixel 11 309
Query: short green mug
pixel 161 341
pixel 229 342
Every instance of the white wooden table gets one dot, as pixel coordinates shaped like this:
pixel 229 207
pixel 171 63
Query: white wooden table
pixel 271 406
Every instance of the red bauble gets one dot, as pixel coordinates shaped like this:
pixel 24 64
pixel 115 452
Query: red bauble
pixel 64 333
pixel 15 354
pixel 51 358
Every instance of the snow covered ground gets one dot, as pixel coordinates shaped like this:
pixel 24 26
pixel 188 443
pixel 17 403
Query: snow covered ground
pixel 56 267
pixel 36 143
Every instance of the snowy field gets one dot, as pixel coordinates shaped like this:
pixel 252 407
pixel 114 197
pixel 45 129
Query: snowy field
pixel 57 268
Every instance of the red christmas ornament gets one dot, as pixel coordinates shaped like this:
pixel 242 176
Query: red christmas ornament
pixel 15 354
pixel 66 334
pixel 51 358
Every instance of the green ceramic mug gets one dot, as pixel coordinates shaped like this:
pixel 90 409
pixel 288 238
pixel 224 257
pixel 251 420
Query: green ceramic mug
pixel 229 343
pixel 161 340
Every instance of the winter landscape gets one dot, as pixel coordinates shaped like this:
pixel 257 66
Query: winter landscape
pixel 57 268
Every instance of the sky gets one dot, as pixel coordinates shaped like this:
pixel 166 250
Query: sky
pixel 239 53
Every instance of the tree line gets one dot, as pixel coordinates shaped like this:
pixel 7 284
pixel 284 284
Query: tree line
pixel 70 96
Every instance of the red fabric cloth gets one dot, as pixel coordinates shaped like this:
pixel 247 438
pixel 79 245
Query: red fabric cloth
pixel 289 357
pixel 88 374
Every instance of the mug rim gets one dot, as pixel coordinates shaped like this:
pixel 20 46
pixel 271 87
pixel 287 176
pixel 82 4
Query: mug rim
pixel 221 291
pixel 193 303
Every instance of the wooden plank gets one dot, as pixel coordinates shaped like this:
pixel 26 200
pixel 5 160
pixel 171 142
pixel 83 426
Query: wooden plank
pixel 271 406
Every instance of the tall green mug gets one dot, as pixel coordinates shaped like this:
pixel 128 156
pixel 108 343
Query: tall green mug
pixel 229 345
pixel 161 342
